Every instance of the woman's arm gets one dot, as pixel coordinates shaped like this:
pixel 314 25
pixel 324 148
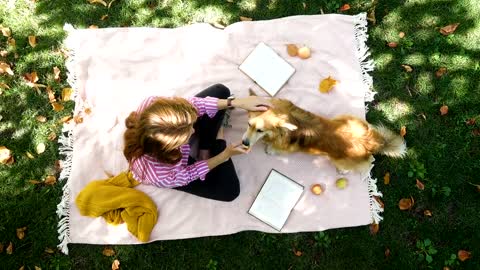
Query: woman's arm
pixel 251 103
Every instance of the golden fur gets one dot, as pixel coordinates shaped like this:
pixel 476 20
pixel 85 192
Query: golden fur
pixel 349 142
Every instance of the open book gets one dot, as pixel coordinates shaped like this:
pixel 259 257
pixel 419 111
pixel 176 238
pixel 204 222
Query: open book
pixel 269 70
pixel 276 199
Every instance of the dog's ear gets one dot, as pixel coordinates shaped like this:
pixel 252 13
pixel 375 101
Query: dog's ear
pixel 289 126
pixel 251 93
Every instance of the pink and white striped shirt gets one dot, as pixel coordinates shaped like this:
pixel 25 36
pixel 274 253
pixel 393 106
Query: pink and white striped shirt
pixel 148 170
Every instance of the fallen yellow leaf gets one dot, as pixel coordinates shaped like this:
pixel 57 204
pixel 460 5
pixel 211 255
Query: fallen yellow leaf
pixel 52 136
pixel 345 7
pixel 37 268
pixel 464 255
pixel 5 68
pixel 401 35
pixel 3 53
pixel 98 1
pixel 21 232
pixel 297 253
pixel 405 204
pixel 427 213
pixel 245 19
pixel 327 84
pixel 49 250
pixel 78 119
pixel 116 265
pixel 57 106
pixel 382 205
pixel 104 17
pixel 407 68
pixel 449 29
pixel 41 118
pixel 111 2
pixel 371 16
pixel 29 155
pixel 444 110
pixel 420 185
pixel 374 227
pixel 392 44
pixel 10 248
pixel 6 31
pixel 6 157
pixel 56 73
pixel 93 27
pixel 35 182
pixel 66 119
pixel 88 110
pixel 386 178
pixel 4 85
pixel 440 72
pixel 50 180
pixel 403 131
pixel 51 94
pixel 40 148
pixel 108 251
pixel 11 41
pixel 66 94
pixel 32 40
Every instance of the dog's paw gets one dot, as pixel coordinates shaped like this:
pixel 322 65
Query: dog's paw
pixel 270 150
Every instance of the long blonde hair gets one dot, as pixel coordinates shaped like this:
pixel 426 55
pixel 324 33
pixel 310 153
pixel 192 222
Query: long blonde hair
pixel 159 130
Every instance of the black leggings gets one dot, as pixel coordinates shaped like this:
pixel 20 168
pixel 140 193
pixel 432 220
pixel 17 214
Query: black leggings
pixel 221 183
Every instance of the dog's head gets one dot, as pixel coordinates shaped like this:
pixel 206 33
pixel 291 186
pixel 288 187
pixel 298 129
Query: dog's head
pixel 268 124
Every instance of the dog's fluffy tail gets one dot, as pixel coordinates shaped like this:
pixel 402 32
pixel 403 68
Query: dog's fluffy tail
pixel 394 146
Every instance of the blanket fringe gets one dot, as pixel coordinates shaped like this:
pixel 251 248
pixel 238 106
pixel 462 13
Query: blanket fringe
pixel 66 147
pixel 367 65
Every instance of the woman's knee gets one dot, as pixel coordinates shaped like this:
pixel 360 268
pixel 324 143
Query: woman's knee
pixel 232 194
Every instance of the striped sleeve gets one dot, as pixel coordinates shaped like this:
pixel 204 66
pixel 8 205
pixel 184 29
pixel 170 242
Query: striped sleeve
pixel 145 103
pixel 206 105
pixel 151 172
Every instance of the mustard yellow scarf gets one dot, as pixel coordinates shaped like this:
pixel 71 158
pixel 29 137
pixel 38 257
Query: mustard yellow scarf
pixel 117 201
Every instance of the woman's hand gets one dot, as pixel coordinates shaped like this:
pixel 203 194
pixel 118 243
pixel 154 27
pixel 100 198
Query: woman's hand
pixel 253 103
pixel 235 149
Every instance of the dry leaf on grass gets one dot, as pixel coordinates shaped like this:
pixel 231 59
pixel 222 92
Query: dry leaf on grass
pixel 380 202
pixel 11 42
pixel 21 232
pixel 427 213
pixel 67 94
pixel 401 35
pixel 29 155
pixel 32 40
pixel 5 68
pixel 6 156
pixel 110 4
pixel 297 253
pixel 49 250
pixel 6 32
pixel 387 252
pixel 470 122
pixel 108 251
pixel 345 7
pixel 444 110
pixel 88 111
pixel 440 72
pixel 392 44
pixel 371 17
pixel 52 136
pixel 420 185
pixel 51 94
pixel 292 49
pixel 386 178
pixel 93 27
pixel 37 268
pixel 326 85
pixel 407 68
pixel 78 119
pixel 57 106
pixel 40 148
pixel 34 182
pixel 3 53
pixel 449 29
pixel 245 19
pixel 31 79
pixel 104 17
pixel 50 180
pixel 4 86
pixel 116 265
pixel 403 131
pixel 41 118
pixel 56 74
pixel 464 255
pixel 10 249
pixel 374 227
pixel 405 204
pixel 98 1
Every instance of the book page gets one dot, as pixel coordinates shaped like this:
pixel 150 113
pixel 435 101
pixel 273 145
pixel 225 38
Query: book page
pixel 276 200
pixel 267 68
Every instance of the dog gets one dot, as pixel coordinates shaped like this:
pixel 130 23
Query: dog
pixel 348 141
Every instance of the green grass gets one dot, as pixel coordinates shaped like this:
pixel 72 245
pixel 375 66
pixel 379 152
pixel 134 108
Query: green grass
pixel 444 145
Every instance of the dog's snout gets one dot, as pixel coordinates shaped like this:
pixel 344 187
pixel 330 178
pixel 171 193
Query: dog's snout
pixel 245 142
